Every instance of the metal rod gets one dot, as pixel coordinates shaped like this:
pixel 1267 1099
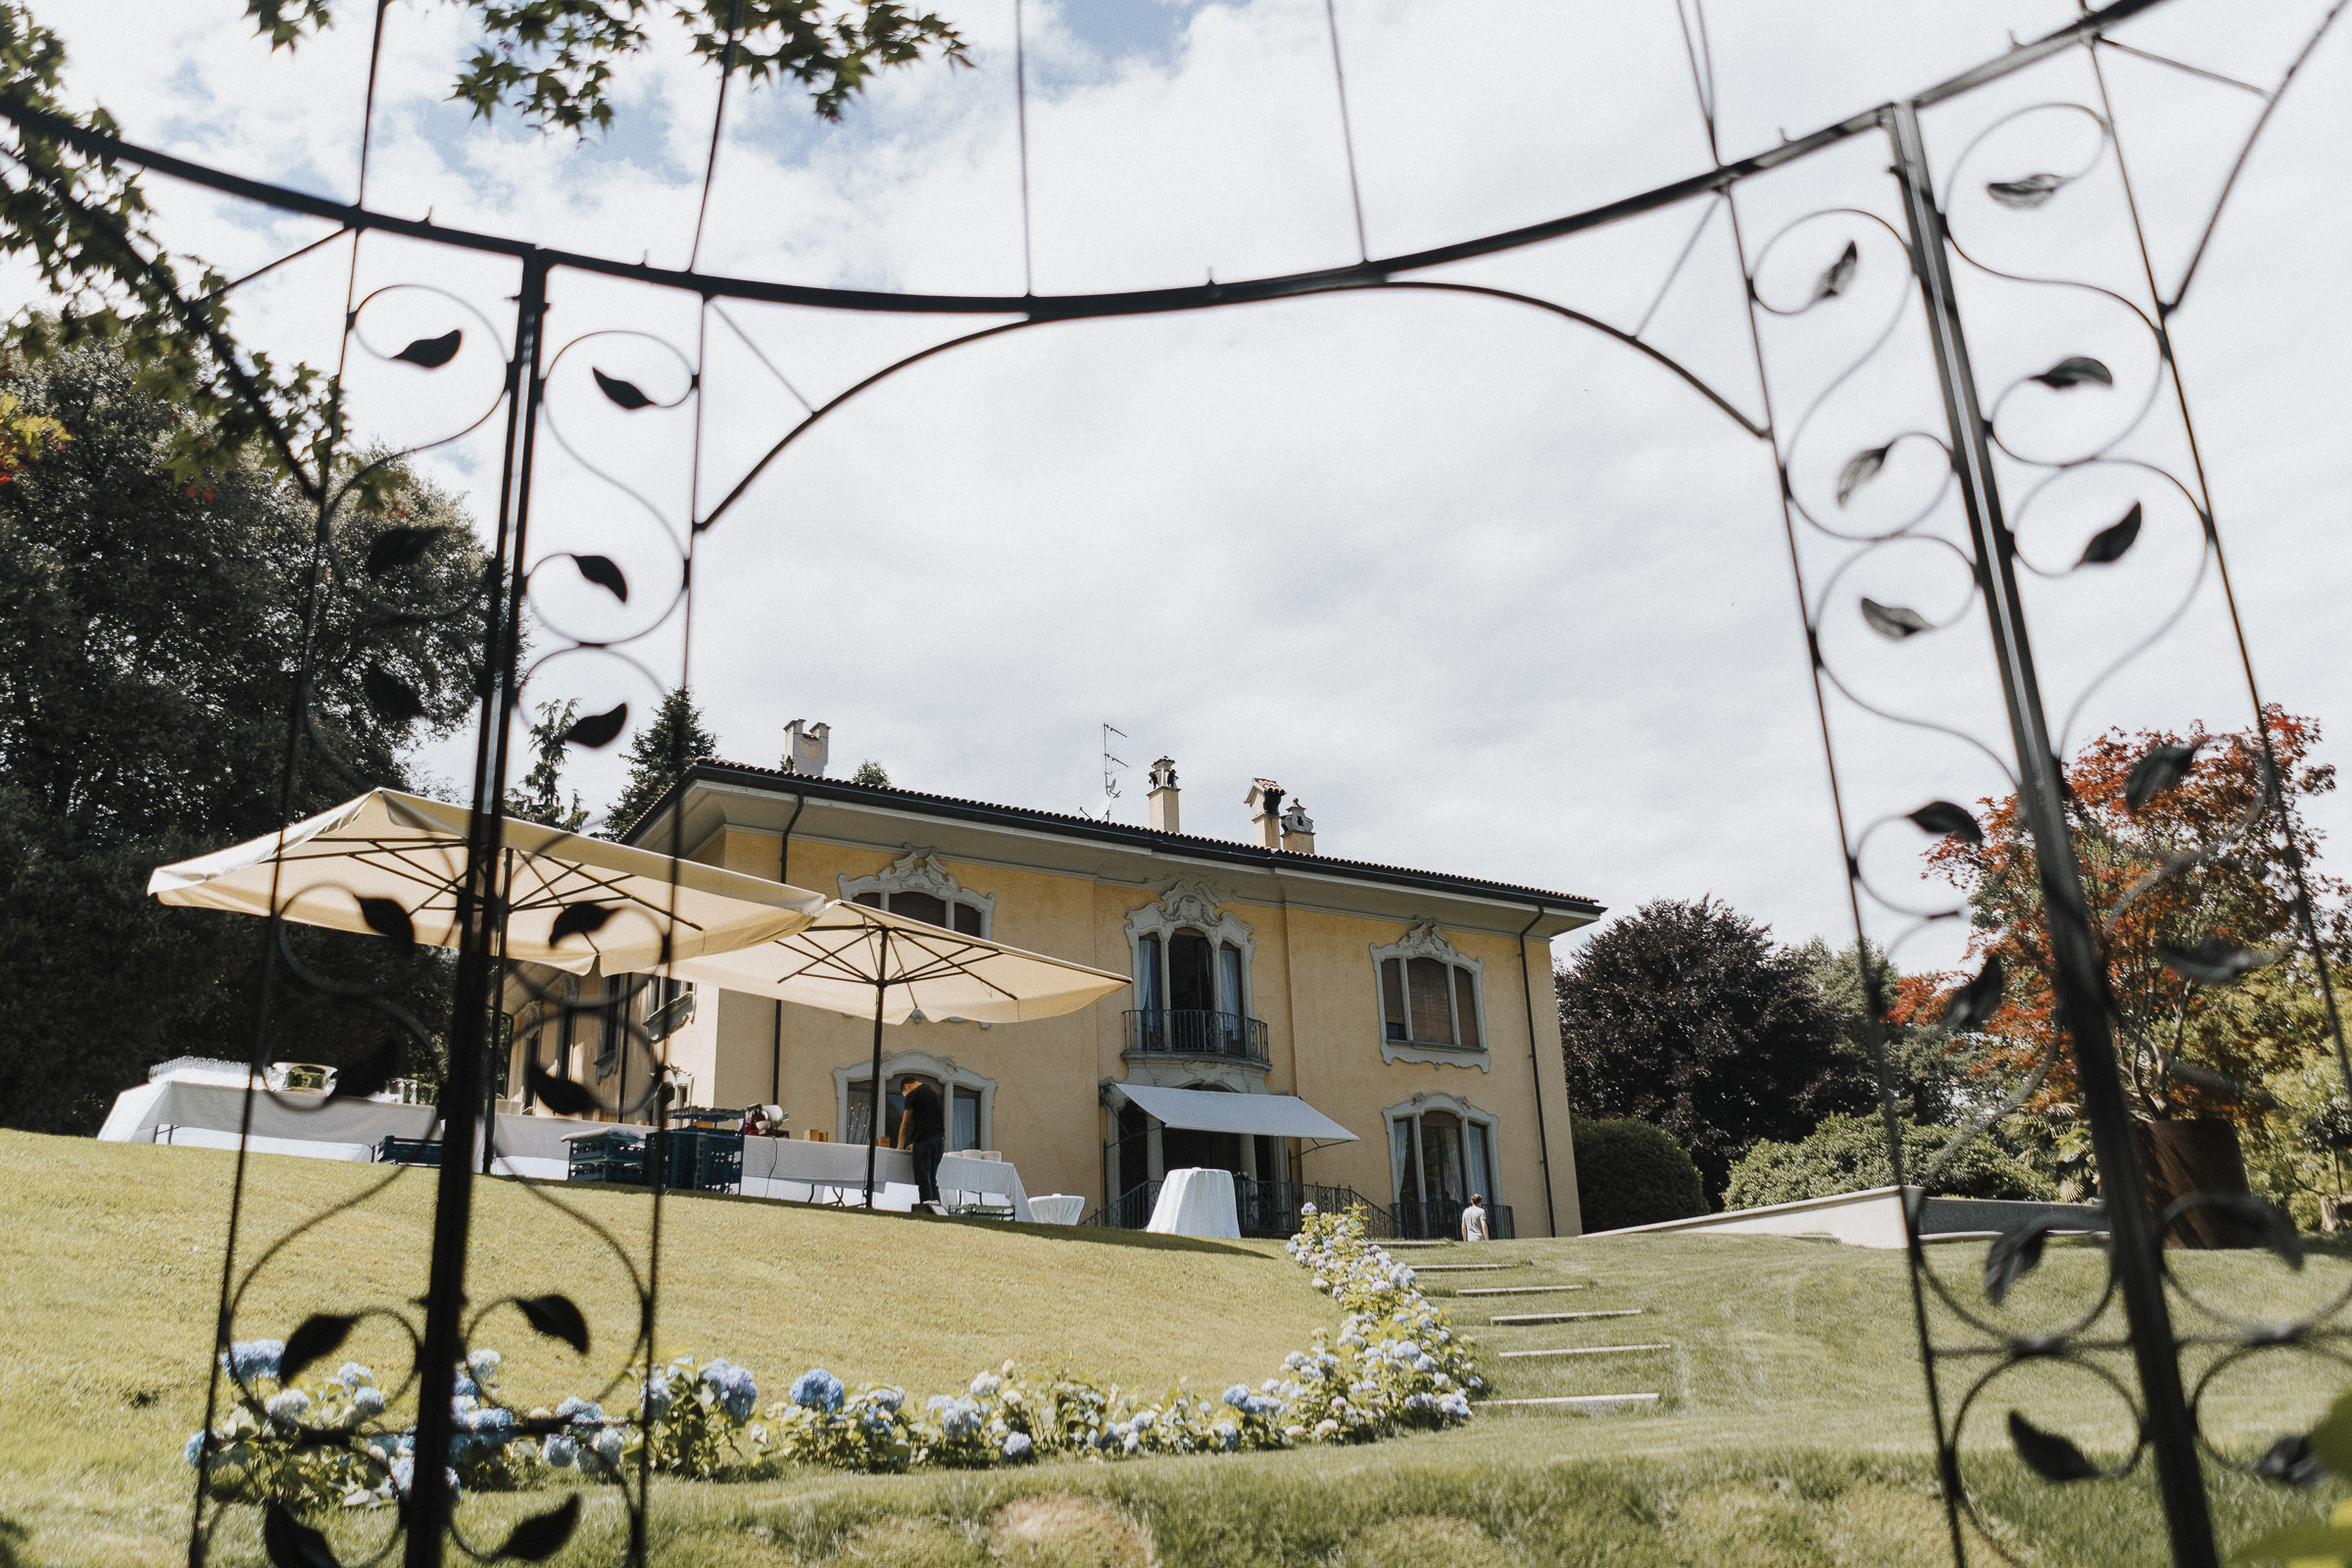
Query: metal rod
pixel 453 1208
pixel 873 1114
pixel 2079 977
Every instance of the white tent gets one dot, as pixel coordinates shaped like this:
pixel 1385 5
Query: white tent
pixel 388 857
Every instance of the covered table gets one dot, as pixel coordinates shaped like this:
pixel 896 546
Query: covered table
pixel 210 1115
pixel 1058 1208
pixel 993 1179
pixel 1197 1202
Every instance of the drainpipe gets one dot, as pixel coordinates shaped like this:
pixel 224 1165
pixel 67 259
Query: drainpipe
pixel 776 1077
pixel 1526 989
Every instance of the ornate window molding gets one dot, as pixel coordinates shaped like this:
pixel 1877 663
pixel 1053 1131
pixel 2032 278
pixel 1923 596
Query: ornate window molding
pixel 1407 1153
pixel 924 1064
pixel 1423 939
pixel 918 872
pixel 1187 995
pixel 1187 901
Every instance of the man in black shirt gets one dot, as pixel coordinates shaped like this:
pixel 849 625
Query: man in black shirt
pixel 923 1128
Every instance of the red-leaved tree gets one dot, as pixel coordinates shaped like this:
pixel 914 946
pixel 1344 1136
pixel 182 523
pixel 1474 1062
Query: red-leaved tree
pixel 2186 873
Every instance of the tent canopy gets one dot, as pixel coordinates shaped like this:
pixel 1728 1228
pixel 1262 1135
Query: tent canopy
pixel 853 950
pixel 394 845
pixel 1211 1110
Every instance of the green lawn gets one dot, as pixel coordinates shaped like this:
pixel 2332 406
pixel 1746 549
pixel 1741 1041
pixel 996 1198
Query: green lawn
pixel 1791 1427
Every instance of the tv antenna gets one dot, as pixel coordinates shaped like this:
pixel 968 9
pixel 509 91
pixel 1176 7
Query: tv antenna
pixel 1111 766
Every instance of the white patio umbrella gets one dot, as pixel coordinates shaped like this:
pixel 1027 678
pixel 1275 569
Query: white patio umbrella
pixel 855 958
pixel 394 862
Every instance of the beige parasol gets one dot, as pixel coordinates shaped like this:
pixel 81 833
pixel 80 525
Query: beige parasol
pixel 394 863
pixel 862 960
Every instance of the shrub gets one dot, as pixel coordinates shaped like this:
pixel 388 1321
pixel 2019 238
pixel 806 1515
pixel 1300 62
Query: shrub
pixel 1847 1154
pixel 1631 1173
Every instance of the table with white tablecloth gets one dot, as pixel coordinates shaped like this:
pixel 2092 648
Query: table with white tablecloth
pixel 1197 1202
pixel 1057 1208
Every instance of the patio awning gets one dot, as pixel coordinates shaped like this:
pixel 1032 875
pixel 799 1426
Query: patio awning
pixel 1208 1110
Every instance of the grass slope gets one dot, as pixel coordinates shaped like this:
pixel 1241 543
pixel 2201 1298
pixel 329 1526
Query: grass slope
pixel 1791 1430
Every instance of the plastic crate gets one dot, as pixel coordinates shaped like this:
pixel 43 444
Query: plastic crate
pixel 613 1157
pixel 705 1161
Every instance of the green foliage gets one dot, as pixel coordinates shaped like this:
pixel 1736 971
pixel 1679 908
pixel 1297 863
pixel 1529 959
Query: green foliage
pixel 871 772
pixel 1925 1065
pixel 541 798
pixel 658 758
pixel 552 60
pixel 149 629
pixel 1687 1017
pixel 1631 1173
pixel 2314 1543
pixel 1848 1154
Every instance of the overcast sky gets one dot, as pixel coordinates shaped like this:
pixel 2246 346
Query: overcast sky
pixel 1487 591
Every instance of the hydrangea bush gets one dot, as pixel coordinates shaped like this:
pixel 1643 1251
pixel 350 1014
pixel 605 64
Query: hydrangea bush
pixel 1396 1364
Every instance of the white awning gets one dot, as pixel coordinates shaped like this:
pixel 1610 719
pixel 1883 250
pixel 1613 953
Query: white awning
pixel 1208 1110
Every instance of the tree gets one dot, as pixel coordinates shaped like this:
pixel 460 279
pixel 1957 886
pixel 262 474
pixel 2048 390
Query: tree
pixel 541 798
pixel 871 772
pixel 1924 1070
pixel 658 758
pixel 150 630
pixel 2186 868
pixel 1687 1017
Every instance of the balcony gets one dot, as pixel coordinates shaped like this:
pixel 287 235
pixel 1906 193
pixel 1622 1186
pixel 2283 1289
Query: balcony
pixel 1190 1032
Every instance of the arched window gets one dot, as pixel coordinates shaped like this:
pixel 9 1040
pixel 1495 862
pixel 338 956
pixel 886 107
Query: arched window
pixel 1428 999
pixel 1192 980
pixel 955 915
pixel 969 1098
pixel 916 886
pixel 1441 1151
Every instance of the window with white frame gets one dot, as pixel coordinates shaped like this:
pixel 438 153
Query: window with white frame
pixel 918 887
pixel 1429 993
pixel 1441 1151
pixel 1192 974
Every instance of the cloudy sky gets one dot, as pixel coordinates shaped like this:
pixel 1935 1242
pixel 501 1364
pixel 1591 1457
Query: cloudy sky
pixel 1487 591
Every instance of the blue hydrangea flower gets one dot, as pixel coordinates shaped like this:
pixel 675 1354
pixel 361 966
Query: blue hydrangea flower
pixel 1228 1435
pixel 195 1448
pixel 738 1394
pixel 1261 1405
pixel 483 1364
pixel 606 1445
pixel 248 1359
pixel 816 1390
pixel 287 1406
pixel 1144 1420
pixel 658 1397
pixel 1237 1394
pixel 986 1385
pixel 579 1411
pixel 1017 1446
pixel 464 1388
pixel 367 1400
pixel 560 1451
pixel 403 1474
pixel 891 1399
pixel 352 1375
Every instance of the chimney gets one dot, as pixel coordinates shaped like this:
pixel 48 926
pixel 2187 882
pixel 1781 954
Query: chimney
pixel 1264 800
pixel 1163 798
pixel 807 747
pixel 1298 830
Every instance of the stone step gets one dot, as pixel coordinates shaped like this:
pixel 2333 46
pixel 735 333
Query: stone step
pixel 1588 1349
pixel 1463 1268
pixel 1521 1289
pixel 1575 1401
pixel 1519 1318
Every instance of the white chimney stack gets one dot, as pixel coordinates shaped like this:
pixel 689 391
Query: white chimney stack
pixel 1264 800
pixel 807 747
pixel 1298 830
pixel 1163 799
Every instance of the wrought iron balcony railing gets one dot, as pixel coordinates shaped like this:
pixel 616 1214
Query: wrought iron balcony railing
pixel 1195 1032
pixel 1441 1220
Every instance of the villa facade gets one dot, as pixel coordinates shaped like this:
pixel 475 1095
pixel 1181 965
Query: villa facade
pixel 1413 1008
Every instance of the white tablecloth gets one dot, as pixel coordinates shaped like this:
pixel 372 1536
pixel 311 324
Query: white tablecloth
pixel 209 1116
pixel 1058 1208
pixel 988 1179
pixel 1197 1202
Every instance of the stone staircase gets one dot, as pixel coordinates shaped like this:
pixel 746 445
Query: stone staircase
pixel 1534 1360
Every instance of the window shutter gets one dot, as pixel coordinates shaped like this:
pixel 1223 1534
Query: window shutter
pixel 871 900
pixel 1392 996
pixel 928 908
pixel 1431 1006
pixel 1465 1008
pixel 968 918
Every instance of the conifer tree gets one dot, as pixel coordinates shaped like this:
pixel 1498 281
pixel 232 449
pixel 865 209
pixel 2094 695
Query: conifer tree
pixel 658 758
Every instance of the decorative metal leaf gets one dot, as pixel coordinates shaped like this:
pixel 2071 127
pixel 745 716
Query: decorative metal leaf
pixel 2015 1253
pixel 1858 471
pixel 2031 191
pixel 320 1334
pixel 542 1535
pixel 2110 542
pixel 2272 1229
pixel 557 1318
pixel 433 352
pixel 578 920
pixel 561 1095
pixel 2053 1457
pixel 1973 1005
pixel 2290 1463
pixel 2078 370
pixel 598 730
pixel 385 917
pixel 1898 622
pixel 390 696
pixel 1943 817
pixel 624 393
pixel 2214 961
pixel 370 1072
pixel 1840 274
pixel 399 547
pixel 600 571
pixel 2163 767
pixel 291 1544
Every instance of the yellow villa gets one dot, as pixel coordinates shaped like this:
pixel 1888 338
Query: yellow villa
pixel 1276 991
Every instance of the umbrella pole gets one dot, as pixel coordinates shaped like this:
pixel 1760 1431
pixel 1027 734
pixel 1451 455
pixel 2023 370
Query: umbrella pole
pixel 873 1120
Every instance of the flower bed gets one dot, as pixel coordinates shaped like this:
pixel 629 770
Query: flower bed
pixel 1393 1365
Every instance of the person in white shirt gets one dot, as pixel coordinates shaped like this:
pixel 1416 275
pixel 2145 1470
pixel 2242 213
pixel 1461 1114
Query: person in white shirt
pixel 1474 1220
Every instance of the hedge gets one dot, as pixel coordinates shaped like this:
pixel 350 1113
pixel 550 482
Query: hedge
pixel 1848 1154
pixel 1631 1173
